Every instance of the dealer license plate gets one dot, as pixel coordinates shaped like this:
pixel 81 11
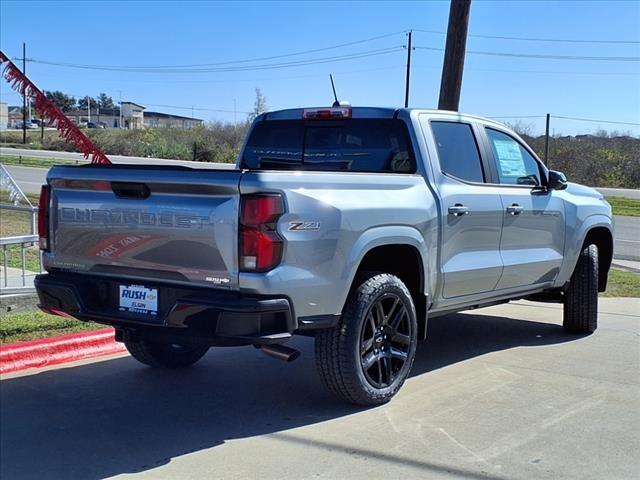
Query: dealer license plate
pixel 138 299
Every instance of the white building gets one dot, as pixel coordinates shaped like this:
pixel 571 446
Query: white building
pixel 132 115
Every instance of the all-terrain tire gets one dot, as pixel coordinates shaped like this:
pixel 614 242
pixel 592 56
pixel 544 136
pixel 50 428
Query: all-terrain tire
pixel 581 298
pixel 165 355
pixel 340 351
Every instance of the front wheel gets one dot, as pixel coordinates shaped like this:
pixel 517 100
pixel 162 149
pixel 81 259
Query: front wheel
pixel 165 355
pixel 581 298
pixel 366 358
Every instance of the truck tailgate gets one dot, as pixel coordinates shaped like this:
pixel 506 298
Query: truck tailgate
pixel 146 222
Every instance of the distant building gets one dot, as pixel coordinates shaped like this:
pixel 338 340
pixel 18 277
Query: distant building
pixel 165 120
pixel 134 117
pixel 4 116
pixel 14 116
pixel 107 117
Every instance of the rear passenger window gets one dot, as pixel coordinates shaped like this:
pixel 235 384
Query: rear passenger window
pixel 458 151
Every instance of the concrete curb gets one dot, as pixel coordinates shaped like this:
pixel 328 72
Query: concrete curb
pixel 627 265
pixel 56 350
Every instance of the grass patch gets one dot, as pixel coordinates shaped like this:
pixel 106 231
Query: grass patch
pixel 622 284
pixel 14 258
pixel 34 162
pixel 18 327
pixel 13 222
pixel 624 206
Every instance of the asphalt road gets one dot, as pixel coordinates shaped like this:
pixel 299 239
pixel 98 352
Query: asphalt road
pixel 627 238
pixel 114 158
pixel 501 393
pixel 29 179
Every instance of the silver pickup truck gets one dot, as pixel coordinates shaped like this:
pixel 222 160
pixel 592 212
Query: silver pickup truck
pixel 352 225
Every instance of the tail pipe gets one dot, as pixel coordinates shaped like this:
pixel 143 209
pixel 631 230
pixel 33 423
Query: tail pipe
pixel 281 352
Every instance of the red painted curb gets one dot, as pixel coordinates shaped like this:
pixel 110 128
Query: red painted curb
pixel 55 350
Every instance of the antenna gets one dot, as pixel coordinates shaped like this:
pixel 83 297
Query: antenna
pixel 336 103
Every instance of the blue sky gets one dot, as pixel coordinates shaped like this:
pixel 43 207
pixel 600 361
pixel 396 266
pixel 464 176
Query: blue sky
pixel 178 33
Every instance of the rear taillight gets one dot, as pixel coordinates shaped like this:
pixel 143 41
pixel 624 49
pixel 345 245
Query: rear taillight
pixel 43 218
pixel 260 244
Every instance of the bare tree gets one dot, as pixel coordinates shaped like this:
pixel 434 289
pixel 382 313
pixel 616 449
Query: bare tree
pixel 259 106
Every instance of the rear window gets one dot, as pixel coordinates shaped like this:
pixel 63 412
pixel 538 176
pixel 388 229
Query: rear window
pixel 356 145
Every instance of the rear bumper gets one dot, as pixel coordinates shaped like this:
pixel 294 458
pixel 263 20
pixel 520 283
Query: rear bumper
pixel 187 314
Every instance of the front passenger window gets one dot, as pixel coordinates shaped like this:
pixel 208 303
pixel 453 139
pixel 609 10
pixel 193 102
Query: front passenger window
pixel 516 166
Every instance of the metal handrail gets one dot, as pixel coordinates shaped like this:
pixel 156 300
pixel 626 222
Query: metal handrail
pixel 24 241
pixel 18 208
pixel 19 239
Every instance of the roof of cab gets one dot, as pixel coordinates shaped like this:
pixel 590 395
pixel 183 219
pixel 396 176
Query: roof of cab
pixel 356 112
pixel 375 112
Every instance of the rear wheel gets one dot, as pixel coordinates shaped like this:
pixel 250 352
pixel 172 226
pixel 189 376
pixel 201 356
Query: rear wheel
pixel 165 355
pixel 367 357
pixel 581 298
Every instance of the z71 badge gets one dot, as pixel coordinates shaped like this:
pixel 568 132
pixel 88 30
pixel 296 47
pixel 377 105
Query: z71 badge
pixel 304 226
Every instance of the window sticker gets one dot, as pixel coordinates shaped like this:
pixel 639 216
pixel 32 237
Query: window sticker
pixel 510 158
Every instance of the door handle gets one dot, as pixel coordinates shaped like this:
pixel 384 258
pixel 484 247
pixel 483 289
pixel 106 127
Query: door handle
pixel 515 209
pixel 458 209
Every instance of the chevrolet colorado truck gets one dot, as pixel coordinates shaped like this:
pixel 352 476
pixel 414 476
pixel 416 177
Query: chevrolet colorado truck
pixel 351 225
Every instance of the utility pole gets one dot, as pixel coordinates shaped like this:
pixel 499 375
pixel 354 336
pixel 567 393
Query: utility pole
pixel 407 78
pixel 546 141
pixel 454 55
pixel 88 109
pixel 235 121
pixel 24 97
pixel 120 124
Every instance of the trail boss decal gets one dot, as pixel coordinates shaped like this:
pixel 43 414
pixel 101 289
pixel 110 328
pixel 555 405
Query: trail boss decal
pixel 304 226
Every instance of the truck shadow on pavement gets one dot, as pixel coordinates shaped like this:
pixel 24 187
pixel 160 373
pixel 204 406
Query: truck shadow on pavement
pixel 117 416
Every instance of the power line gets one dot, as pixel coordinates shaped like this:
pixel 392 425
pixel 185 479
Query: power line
pixel 270 66
pixel 205 109
pixel 232 62
pixel 549 71
pixel 536 55
pixel 517 116
pixel 533 39
pixel 596 121
pixel 592 120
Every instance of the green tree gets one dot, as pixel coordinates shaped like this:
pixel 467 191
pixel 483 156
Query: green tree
pixel 64 102
pixel 259 106
pixel 105 101
pixel 84 102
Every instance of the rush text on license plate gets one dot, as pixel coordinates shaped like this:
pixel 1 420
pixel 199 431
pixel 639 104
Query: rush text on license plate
pixel 138 299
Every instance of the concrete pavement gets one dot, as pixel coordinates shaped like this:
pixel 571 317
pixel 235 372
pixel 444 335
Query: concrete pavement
pixel 627 238
pixel 498 393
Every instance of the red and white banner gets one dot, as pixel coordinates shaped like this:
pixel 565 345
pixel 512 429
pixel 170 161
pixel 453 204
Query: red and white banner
pixel 46 109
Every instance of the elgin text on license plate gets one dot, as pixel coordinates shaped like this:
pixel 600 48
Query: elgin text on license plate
pixel 138 299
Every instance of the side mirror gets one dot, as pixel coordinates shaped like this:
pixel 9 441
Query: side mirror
pixel 557 180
